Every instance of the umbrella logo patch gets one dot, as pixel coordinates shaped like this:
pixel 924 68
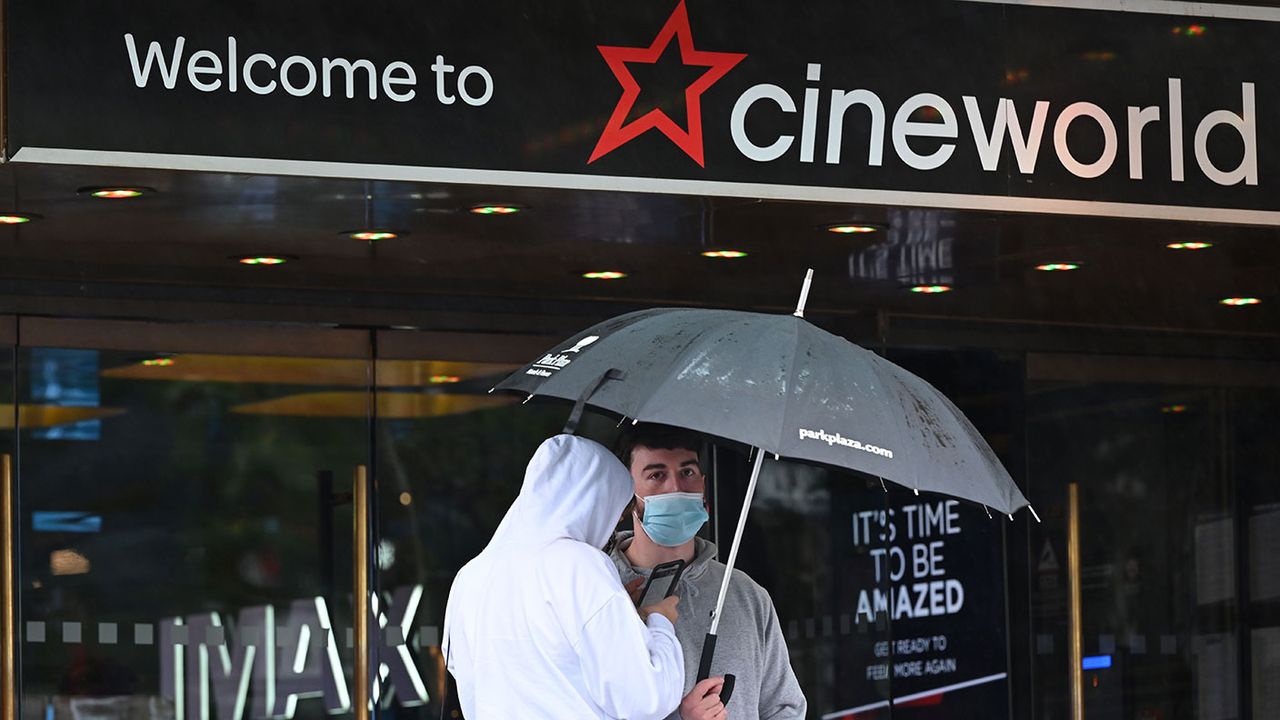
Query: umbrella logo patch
pixel 838 439
pixel 582 344
pixel 554 362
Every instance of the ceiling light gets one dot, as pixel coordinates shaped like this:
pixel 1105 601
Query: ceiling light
pixel 115 193
pixel 372 235
pixel 1239 301
pixel 405 498
pixel 1012 76
pixel 604 275
pixel 16 218
pixel 1189 245
pixel 931 289
pixel 1190 30
pixel 157 362
pixel 853 228
pixel 495 209
pixel 444 379
pixel 724 254
pixel 263 259
pixel 1058 267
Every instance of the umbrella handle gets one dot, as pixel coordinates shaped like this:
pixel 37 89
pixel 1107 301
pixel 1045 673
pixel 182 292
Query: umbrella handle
pixel 571 425
pixel 708 652
pixel 704 668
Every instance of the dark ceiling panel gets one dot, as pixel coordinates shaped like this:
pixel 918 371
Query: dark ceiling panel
pixel 183 236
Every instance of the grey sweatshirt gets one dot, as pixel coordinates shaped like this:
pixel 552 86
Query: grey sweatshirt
pixel 750 643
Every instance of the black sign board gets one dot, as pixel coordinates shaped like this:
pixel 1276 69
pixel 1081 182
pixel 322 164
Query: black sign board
pixel 924 574
pixel 943 103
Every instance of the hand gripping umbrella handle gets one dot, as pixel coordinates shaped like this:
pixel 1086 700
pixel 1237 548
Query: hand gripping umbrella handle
pixel 704 669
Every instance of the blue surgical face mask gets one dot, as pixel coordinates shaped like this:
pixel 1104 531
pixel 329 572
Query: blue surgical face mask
pixel 672 519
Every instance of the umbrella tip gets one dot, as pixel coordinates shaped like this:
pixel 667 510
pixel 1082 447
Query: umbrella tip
pixel 984 507
pixel 526 400
pixel 804 294
pixel 1033 512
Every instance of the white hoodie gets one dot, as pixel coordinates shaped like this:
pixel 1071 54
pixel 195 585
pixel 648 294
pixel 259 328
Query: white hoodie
pixel 538 624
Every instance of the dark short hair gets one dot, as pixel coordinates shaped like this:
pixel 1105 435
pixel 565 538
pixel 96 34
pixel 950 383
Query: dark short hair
pixel 657 437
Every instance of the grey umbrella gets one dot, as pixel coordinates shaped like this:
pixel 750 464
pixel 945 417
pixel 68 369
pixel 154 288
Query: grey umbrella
pixel 780 385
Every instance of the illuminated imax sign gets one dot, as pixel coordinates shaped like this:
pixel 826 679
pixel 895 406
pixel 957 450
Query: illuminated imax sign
pixel 262 666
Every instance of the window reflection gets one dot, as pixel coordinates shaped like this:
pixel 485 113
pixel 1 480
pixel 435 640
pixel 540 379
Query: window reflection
pixel 170 546
pixel 1171 506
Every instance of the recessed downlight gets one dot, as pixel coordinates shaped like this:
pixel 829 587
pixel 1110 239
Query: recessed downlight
pixel 495 209
pixel 263 259
pixel 931 289
pixel 854 228
pixel 1189 245
pixel 1058 267
pixel 1240 301
pixel 604 275
pixel 117 192
pixel 17 218
pixel 724 254
pixel 373 234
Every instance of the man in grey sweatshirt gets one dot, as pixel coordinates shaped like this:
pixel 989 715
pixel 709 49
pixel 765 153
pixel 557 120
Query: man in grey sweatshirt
pixel 668 511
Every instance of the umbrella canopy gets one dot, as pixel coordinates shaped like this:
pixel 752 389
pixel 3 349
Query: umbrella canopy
pixel 778 383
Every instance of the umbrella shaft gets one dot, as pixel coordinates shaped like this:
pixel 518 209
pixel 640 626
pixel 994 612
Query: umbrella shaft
pixel 737 539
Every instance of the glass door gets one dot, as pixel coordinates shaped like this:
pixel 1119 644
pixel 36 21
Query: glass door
pixel 450 459
pixel 185 516
pixel 193 538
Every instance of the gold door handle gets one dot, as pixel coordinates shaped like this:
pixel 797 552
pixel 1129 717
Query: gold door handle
pixel 1076 620
pixel 360 590
pixel 8 667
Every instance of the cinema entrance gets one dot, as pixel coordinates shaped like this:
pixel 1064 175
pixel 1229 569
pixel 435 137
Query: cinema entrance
pixel 259 269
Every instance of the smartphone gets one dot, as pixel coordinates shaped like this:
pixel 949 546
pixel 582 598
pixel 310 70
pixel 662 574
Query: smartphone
pixel 662 583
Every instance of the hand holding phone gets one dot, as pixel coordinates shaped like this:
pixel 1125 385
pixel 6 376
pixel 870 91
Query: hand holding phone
pixel 662 583
pixel 665 607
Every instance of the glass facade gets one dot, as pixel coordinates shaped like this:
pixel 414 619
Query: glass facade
pixel 183 549
pixel 1178 519
pixel 185 518
pixel 185 524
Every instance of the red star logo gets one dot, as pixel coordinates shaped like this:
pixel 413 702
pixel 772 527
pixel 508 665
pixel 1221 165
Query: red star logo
pixel 617 134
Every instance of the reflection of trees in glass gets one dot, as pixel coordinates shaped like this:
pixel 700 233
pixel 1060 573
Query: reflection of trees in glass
pixel 1146 478
pixel 203 510
pixel 462 472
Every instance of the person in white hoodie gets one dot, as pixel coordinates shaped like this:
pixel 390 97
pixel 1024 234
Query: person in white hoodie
pixel 539 626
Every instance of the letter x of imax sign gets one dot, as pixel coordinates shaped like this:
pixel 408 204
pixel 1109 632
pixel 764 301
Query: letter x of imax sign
pixel 264 671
